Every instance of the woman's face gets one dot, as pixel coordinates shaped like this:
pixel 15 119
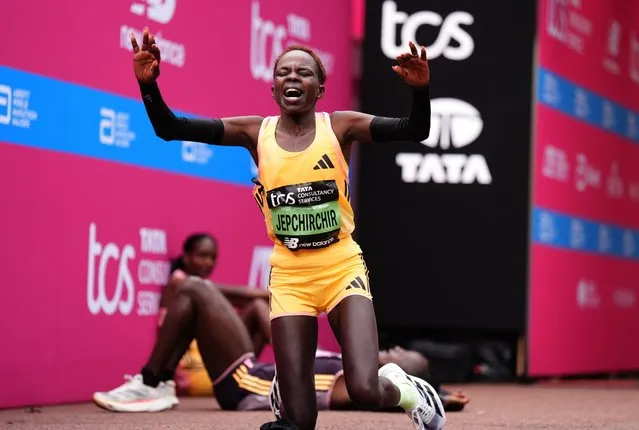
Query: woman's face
pixel 296 87
pixel 201 260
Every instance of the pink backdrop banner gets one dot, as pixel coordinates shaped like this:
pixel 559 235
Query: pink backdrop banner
pixel 585 171
pixel 595 44
pixel 86 242
pixel 89 245
pixel 584 261
pixel 216 56
pixel 587 315
pixel 86 246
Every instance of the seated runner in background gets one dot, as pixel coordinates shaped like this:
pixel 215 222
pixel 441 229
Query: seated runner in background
pixel 198 258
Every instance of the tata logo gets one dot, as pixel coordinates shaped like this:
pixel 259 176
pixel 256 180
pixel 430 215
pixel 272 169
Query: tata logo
pixel 454 124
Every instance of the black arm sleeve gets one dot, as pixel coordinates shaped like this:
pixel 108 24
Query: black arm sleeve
pixel 414 128
pixel 168 126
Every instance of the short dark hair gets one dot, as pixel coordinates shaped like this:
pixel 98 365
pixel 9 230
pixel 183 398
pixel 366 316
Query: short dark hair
pixel 321 71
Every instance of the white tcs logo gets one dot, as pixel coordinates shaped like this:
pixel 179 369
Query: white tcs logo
pixel 263 31
pixel 279 198
pixel 456 124
pixel 100 302
pixel 161 11
pixel 450 30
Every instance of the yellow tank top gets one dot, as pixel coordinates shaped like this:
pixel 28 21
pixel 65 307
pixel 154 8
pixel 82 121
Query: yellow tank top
pixel 305 198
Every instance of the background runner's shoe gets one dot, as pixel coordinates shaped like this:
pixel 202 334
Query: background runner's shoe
pixel 134 396
pixel 428 413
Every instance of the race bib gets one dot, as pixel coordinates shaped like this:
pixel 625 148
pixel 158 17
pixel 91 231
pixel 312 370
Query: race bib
pixel 305 216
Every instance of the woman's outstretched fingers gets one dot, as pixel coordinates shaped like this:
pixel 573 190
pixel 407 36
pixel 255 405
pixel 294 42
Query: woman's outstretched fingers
pixel 134 44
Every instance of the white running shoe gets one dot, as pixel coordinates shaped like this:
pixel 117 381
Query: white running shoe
pixel 429 413
pixel 134 396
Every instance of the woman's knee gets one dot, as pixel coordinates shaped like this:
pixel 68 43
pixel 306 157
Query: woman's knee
pixel 364 390
pixel 196 288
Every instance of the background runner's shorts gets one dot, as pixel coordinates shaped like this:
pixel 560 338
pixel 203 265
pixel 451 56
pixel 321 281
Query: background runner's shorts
pixel 313 291
pixel 244 377
pixel 327 370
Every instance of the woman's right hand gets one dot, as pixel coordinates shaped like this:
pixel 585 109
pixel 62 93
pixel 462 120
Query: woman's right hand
pixel 146 61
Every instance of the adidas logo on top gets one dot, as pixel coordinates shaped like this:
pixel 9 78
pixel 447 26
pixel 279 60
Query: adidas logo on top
pixel 324 163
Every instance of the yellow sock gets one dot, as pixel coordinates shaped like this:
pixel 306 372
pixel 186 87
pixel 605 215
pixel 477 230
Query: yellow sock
pixel 408 395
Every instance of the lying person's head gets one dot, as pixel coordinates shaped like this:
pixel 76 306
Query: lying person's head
pixel 411 362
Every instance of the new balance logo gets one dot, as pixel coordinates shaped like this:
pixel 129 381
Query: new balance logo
pixel 324 163
pixel 291 242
